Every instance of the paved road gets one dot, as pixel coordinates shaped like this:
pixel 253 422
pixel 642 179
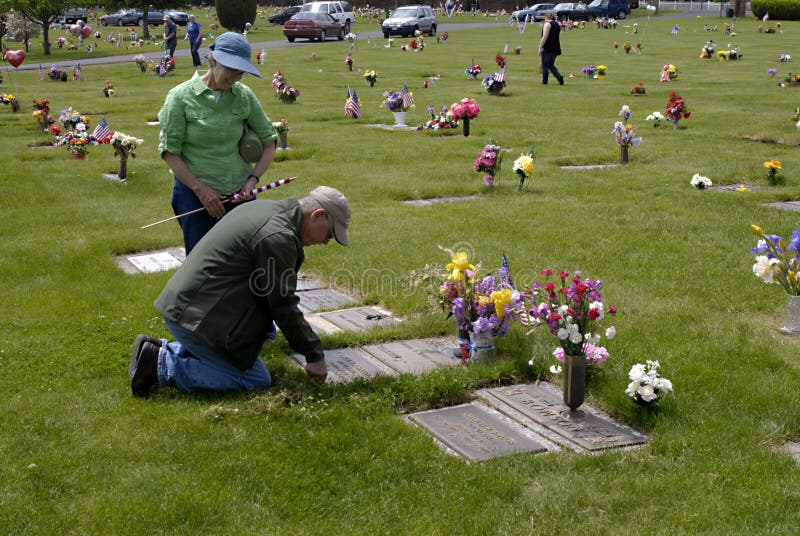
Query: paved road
pixel 269 45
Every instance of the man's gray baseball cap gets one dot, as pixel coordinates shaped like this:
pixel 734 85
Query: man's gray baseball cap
pixel 337 208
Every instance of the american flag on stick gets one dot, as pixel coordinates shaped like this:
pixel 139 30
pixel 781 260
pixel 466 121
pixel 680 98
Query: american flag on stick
pixel 352 106
pixel 408 97
pixel 500 76
pixel 101 132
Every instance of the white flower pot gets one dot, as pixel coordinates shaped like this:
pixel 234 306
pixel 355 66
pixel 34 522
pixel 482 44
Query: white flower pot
pixel 400 119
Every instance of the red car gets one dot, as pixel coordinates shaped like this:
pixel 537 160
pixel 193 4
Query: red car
pixel 313 25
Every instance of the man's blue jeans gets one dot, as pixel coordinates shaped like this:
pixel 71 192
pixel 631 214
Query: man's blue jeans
pixel 192 366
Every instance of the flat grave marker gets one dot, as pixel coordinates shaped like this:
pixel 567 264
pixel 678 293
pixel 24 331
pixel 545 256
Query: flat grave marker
pixel 541 408
pixel 391 127
pixel 323 298
pixel 152 261
pixel 307 282
pixel 436 200
pixel 353 319
pixel 793 206
pixel 477 432
pixel 414 356
pixel 589 166
pixel 347 364
pixel 732 187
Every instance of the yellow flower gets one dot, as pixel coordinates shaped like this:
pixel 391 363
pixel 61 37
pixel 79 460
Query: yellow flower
pixel 525 164
pixel 756 229
pixel 500 298
pixel 742 189
pixel 772 164
pixel 459 265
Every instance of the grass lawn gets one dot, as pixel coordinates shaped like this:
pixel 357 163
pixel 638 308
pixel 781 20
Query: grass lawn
pixel 80 455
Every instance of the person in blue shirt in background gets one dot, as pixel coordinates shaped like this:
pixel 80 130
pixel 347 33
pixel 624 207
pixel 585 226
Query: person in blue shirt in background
pixel 195 39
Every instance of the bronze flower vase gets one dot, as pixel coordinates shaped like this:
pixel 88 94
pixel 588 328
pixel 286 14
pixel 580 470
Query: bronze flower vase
pixel 623 154
pixel 283 140
pixel 77 155
pixel 123 169
pixel 465 124
pixel 574 381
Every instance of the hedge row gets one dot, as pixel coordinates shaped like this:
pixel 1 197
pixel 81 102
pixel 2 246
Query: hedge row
pixel 777 9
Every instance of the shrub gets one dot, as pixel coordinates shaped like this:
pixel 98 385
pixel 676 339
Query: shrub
pixel 777 9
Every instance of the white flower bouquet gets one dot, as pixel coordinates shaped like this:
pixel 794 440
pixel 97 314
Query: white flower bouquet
pixel 646 386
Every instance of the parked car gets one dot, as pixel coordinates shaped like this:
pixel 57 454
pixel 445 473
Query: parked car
pixel 313 26
pixel 618 9
pixel 408 19
pixel 123 17
pixel 285 15
pixel 534 13
pixel 178 17
pixel 571 11
pixel 74 14
pixel 341 11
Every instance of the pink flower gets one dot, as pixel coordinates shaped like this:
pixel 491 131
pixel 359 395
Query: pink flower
pixel 488 180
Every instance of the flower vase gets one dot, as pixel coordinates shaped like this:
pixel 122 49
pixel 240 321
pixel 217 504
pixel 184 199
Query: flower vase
pixel 792 322
pixel 77 155
pixel 283 140
pixel 122 174
pixel 371 82
pixel 400 119
pixel 574 381
pixel 481 346
pixel 465 124
pixel 349 66
pixel 674 125
pixel 623 154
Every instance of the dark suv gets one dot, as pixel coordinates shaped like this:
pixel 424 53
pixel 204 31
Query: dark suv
pixel 408 19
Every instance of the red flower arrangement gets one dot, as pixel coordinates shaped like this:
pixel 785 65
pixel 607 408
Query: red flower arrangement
pixel 500 61
pixel 676 109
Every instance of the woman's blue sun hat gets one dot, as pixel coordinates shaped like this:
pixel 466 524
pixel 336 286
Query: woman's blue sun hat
pixel 233 51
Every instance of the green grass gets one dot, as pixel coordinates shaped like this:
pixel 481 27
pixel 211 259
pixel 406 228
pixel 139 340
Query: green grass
pixel 80 455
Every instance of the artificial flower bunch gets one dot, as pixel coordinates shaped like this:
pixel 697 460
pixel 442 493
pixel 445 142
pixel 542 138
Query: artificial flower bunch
pixel 792 78
pixel 465 109
pixel 523 166
pixel 349 61
pixel 785 57
pixel 370 77
pixel 639 89
pixel 773 166
pixel 778 263
pixel 55 130
pixel 772 71
pixel 589 71
pixel 707 52
pixel 76 142
pixel 500 61
pixel 624 132
pixel 733 53
pixel 656 118
pixel 41 113
pixel 125 145
pixel 492 85
pixel 601 72
pixel 141 62
pixel 646 385
pixel 281 125
pixel 700 182
pixel 395 101
pixel 10 100
pixel 56 75
pixel 473 71
pixel 573 310
pixel 283 90
pixel 70 119
pixel 481 306
pixel 108 89
pixel 350 37
pixel 676 109
pixel 488 162
pixel 669 72
pixel 444 120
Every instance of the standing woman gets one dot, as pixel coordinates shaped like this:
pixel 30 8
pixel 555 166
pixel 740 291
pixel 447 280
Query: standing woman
pixel 550 48
pixel 195 38
pixel 202 121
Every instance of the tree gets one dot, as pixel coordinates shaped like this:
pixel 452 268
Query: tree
pixel 40 12
pixel 234 14
pixel 21 29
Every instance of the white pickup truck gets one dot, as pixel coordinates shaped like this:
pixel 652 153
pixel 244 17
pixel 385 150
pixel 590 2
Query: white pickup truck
pixel 341 11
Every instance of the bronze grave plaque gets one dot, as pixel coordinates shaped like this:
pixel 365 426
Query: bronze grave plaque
pixel 477 432
pixel 323 298
pixel 586 430
pixel 359 318
pixel 413 356
pixel 347 364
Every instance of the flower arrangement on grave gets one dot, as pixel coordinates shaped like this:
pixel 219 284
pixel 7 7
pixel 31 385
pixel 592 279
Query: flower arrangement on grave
pixel 700 182
pixel 523 166
pixel 488 162
pixel 646 385
pixel 573 310
pixel 55 130
pixel 778 263
pixel 625 134
pixel 517 50
pixel 601 72
pixel 56 75
pixel 773 166
pixel 639 89
pixel 785 57
pixel 676 109
pixel 10 100
pixel 124 148
pixel 390 42
pixel 734 53
pixel 283 91
pixel 281 125
pixel 445 35
pixel 669 72
pixel 370 77
pixel 589 71
pixel 772 71
pixel 77 142
pixel 41 113
pixel 626 47
pixel 108 89
pixel 443 121
pixel 350 37
pixel 465 110
pixel 500 61
pixel 656 118
pixel 792 78
pixel 141 62
pixel 349 61
pixel 473 71
pixel 707 52
pixel 494 84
